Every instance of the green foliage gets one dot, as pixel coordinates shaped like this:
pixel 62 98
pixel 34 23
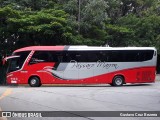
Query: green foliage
pixel 119 35
pixel 55 22
pixel 146 30
pixel 45 27
pixel 71 7
pixel 28 4
pixel 94 12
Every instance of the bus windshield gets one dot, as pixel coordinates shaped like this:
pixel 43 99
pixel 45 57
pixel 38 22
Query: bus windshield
pixel 16 63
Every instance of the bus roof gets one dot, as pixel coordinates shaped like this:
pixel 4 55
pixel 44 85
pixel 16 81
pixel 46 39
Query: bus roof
pixel 30 48
pixel 79 48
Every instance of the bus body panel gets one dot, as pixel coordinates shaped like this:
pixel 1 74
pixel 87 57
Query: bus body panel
pixel 74 72
pixel 137 75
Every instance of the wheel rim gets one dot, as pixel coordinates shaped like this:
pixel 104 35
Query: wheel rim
pixel 118 81
pixel 33 81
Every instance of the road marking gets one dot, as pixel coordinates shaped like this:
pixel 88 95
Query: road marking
pixel 2 118
pixel 6 93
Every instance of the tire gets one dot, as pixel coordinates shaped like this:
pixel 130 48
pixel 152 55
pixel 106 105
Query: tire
pixel 118 81
pixel 34 82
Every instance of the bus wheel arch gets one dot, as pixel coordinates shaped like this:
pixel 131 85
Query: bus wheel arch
pixel 34 81
pixel 118 80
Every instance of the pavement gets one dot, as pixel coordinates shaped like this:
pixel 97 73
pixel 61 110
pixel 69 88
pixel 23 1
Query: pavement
pixel 130 97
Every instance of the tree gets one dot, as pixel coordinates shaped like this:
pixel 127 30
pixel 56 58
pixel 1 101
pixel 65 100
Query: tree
pixel 7 37
pixel 28 4
pixel 119 35
pixel 46 27
pixel 146 30
pixel 94 12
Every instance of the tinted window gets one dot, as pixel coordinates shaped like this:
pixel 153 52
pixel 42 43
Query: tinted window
pixel 16 63
pixel 116 56
pixel 39 56
pixel 79 56
pixel 146 55
pixel 92 56
pixel 130 55
pixel 47 56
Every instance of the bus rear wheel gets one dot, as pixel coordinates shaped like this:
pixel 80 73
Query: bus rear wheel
pixel 34 82
pixel 118 81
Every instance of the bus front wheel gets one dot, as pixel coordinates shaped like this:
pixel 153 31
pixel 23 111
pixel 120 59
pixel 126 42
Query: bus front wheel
pixel 118 81
pixel 34 82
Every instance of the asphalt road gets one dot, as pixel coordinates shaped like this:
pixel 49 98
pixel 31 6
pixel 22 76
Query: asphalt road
pixel 132 97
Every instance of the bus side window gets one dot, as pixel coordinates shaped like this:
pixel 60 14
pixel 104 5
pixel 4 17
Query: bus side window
pixel 82 56
pixel 57 56
pixel 116 56
pixel 146 55
pixel 60 58
pixel 39 56
pixel 131 56
pixel 103 56
pixel 66 57
pixel 71 56
pixel 93 56
pixel 53 56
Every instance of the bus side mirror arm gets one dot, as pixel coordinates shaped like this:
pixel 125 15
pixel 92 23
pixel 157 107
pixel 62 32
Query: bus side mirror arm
pixel 6 58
